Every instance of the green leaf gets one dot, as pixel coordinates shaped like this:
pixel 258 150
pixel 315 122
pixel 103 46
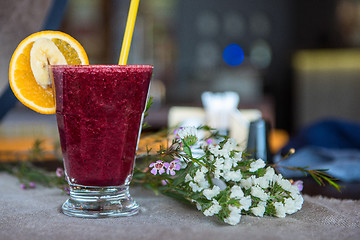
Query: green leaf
pixel 187 149
pixel 175 193
pixel 316 178
pixel 181 177
pixel 139 175
pixel 335 185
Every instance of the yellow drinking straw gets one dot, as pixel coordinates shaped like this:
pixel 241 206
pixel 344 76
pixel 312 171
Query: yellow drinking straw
pixel 128 32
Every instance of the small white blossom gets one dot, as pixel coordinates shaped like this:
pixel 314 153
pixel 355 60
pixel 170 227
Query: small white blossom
pixel 219 162
pixel 270 172
pixel 254 166
pixel 204 184
pixel 298 201
pixel 188 178
pixel 218 173
pixel 195 187
pixel 211 193
pixel 200 179
pixel 215 149
pixel 289 206
pixel 294 190
pixel 187 131
pixel 214 209
pixel 234 162
pixel 233 176
pixel 228 163
pixel 277 178
pixel 204 169
pixel 246 183
pixel 262 182
pixel 234 216
pixel 259 192
pixel 230 145
pixel 236 192
pixel 245 203
pixel 280 210
pixel 285 184
pixel 198 206
pixel 238 156
pixel 199 176
pixel 259 210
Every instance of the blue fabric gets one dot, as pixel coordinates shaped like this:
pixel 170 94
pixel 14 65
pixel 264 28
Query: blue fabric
pixel 329 133
pixel 343 164
pixel 332 144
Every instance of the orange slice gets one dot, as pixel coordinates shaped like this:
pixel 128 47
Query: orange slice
pixel 21 73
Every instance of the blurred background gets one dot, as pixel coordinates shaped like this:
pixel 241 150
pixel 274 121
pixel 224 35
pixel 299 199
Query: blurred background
pixel 301 58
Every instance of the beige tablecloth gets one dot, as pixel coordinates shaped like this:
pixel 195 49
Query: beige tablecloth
pixel 35 214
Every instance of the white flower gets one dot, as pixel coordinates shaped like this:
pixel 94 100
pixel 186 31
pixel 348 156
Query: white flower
pixel 246 183
pixel 238 157
pixel 219 162
pixel 214 149
pixel 200 181
pixel 204 169
pixel 294 190
pixel 262 182
pixel 214 209
pixel 236 192
pixel 285 184
pixel 218 173
pixel 245 203
pixel 204 184
pixel 259 192
pixel 259 210
pixel 289 206
pixel 210 193
pixel 187 132
pixel 277 178
pixel 233 176
pixel 254 166
pixel 298 201
pixel 195 187
pixel 228 163
pixel 188 178
pixel 280 210
pixel 217 152
pixel 198 206
pixel 234 216
pixel 270 172
pixel 199 176
pixel 230 145
pixel 219 166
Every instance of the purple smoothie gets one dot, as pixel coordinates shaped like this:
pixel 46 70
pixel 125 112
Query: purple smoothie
pixel 99 111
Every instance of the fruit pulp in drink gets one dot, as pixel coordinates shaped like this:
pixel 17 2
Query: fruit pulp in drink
pixel 99 111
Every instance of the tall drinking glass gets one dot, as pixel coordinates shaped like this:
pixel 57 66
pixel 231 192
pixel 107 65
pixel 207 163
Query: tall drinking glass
pixel 99 111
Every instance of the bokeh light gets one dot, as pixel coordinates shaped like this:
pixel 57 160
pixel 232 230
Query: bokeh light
pixel 233 54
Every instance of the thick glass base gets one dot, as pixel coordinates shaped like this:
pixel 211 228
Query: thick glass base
pixel 99 202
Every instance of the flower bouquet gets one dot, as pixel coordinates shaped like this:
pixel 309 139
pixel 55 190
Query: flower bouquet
pixel 220 180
